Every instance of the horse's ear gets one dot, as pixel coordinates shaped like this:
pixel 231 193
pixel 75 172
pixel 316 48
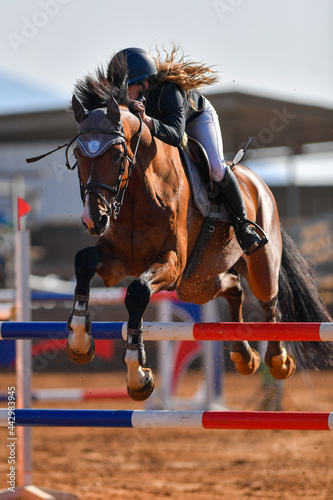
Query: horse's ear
pixel 113 112
pixel 79 110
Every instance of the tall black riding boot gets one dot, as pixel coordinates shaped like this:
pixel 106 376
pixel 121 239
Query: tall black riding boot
pixel 246 235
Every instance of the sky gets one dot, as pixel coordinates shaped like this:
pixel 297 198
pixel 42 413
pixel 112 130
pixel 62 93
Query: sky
pixel 278 48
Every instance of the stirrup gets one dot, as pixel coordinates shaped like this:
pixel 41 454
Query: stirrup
pixel 263 239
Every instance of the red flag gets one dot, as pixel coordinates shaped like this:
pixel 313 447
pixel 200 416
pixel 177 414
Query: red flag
pixel 23 208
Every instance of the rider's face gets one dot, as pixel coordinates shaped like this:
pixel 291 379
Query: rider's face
pixel 134 91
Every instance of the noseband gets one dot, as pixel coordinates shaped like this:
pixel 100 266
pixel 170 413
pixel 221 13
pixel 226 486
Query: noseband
pixel 92 187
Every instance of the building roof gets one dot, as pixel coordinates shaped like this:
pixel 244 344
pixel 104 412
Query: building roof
pixel 272 123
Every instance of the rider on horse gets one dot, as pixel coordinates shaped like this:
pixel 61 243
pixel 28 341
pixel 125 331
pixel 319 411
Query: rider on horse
pixel 165 95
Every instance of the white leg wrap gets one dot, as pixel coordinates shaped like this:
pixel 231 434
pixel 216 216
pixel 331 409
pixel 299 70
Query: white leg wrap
pixel 78 339
pixel 136 377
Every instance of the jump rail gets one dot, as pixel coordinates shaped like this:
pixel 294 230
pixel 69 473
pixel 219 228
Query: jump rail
pixel 72 394
pixel 165 419
pixel 175 331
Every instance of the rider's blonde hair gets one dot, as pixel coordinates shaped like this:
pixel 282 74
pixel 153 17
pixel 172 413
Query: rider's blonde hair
pixel 186 74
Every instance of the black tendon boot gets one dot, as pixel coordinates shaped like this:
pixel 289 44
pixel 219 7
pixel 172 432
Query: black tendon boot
pixel 246 235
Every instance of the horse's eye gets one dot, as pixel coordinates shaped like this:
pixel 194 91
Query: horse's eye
pixel 117 156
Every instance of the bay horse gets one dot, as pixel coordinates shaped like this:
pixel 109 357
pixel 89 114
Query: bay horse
pixel 137 200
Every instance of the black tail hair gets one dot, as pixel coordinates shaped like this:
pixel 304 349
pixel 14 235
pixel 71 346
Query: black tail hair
pixel 299 300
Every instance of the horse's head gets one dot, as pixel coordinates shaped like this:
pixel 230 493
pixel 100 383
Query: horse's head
pixel 103 163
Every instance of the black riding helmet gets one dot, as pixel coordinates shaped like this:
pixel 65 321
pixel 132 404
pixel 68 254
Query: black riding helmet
pixel 140 64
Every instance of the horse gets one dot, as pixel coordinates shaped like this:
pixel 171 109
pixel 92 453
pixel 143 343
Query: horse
pixel 137 200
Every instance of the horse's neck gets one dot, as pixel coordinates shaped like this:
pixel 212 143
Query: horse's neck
pixel 161 167
pixel 159 177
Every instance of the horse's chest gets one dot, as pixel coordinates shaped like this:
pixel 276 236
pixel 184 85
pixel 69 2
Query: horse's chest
pixel 142 233
pixel 147 239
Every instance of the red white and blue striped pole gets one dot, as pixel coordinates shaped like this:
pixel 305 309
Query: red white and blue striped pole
pixel 72 394
pixel 171 419
pixel 176 331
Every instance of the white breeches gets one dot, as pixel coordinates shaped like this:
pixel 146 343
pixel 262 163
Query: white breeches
pixel 206 129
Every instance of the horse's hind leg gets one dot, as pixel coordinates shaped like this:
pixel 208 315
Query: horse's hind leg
pixel 245 358
pixel 227 285
pixel 80 344
pixel 281 364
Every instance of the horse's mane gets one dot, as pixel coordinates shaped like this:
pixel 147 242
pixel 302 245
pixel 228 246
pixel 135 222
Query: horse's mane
pixel 95 90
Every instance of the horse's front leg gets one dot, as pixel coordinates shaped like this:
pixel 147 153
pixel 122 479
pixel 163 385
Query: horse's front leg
pixel 80 344
pixel 140 381
pixel 160 276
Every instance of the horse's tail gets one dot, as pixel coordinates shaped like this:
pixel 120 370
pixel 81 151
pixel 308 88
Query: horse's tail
pixel 299 300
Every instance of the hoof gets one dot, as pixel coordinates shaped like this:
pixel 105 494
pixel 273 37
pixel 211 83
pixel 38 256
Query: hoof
pixel 145 391
pixel 241 365
pixel 282 366
pixel 79 357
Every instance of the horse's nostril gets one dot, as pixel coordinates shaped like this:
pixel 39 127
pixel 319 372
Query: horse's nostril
pixel 85 225
pixel 102 222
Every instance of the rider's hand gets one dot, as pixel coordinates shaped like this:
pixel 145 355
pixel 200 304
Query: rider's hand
pixel 138 107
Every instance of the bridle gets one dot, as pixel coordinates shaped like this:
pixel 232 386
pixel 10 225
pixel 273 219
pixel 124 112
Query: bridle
pixel 117 191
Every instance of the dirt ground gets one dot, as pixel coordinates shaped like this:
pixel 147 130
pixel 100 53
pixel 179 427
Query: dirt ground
pixel 184 464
